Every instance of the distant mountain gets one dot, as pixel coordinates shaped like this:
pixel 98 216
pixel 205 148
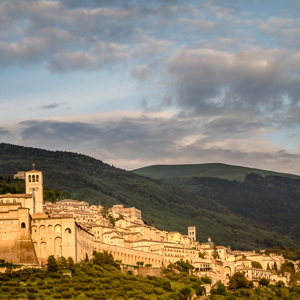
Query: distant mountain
pixel 216 170
pixel 162 204
pixel 268 198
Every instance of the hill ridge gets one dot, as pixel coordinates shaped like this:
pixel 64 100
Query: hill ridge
pixel 217 170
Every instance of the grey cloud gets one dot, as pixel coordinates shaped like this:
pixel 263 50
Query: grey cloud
pixel 241 126
pixel 145 141
pixel 215 82
pixel 51 106
pixel 3 131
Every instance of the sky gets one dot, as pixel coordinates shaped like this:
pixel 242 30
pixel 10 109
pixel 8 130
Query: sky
pixel 137 83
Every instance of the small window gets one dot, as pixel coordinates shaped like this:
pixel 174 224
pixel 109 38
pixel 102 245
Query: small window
pixel 29 178
pixel 68 231
pixel 33 178
pixel 14 201
pixel 37 178
pixel 23 225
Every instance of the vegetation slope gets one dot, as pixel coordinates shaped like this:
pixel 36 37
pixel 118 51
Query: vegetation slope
pixel 167 207
pixel 216 170
pixel 267 198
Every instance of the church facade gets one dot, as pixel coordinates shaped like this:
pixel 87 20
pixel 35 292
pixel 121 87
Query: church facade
pixel 28 236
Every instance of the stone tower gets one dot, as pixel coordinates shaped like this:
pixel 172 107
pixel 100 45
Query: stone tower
pixel 192 233
pixel 34 186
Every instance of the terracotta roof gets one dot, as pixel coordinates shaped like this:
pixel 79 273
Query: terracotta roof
pixel 39 215
pixel 33 171
pixel 16 196
pixel 243 259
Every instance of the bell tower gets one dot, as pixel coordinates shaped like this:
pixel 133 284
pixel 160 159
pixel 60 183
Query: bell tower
pixel 192 233
pixel 34 186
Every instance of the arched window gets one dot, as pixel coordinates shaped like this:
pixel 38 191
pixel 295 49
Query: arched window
pixel 57 228
pixel 23 225
pixel 68 231
pixel 33 178
pixel 1 201
pixel 29 178
pixel 50 229
pixel 37 178
pixel 14 201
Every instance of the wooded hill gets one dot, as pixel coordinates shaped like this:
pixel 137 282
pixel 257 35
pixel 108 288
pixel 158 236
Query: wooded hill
pixel 215 170
pixel 163 205
pixel 268 198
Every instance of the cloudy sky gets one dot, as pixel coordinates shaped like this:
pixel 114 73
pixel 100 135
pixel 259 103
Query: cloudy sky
pixel 137 83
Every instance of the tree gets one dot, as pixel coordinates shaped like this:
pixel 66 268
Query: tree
pixel 256 264
pixel 220 290
pixel 62 262
pixel 140 263
pixel 264 282
pixel 280 283
pixel 187 292
pixel 105 211
pixel 287 266
pixel 52 264
pixel 71 264
pixel 184 266
pixel 215 253
pixel 238 281
pixel 275 267
pixel 104 258
pixel 206 279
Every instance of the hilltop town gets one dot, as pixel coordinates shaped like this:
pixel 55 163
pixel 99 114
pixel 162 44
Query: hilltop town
pixel 32 229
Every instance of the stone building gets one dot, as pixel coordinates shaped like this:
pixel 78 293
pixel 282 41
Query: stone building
pixel 60 236
pixel 15 234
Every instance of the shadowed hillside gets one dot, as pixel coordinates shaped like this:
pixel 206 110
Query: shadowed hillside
pixel 273 201
pixel 165 206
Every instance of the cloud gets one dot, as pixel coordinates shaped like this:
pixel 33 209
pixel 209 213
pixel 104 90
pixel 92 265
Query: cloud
pixel 284 30
pixel 52 105
pixel 211 82
pixel 135 142
pixel 198 25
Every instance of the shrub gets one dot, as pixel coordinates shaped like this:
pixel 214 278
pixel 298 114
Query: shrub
pixel 244 293
pixel 206 279
pixel 186 292
pixel 5 288
pixel 220 290
pixel 158 291
pixel 49 286
pixel 66 294
pixel 31 289
pixel 31 297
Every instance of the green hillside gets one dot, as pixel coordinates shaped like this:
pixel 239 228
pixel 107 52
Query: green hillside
pixel 167 207
pixel 216 170
pixel 273 201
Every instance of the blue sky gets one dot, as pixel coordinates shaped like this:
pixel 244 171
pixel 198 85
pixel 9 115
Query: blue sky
pixel 137 83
